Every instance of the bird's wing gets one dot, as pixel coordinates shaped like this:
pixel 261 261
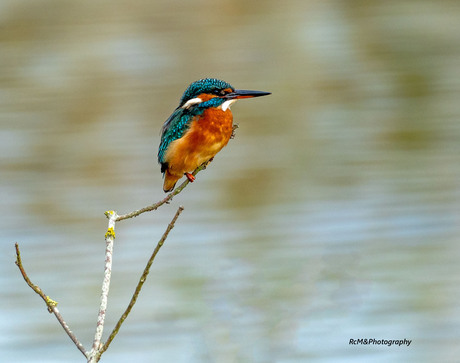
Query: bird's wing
pixel 174 128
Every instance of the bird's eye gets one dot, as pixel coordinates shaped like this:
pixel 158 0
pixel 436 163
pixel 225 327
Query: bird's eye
pixel 219 92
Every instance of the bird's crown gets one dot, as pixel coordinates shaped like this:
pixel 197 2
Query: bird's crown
pixel 205 85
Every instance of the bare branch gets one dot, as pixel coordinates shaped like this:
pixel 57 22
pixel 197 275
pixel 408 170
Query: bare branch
pixel 168 198
pixel 51 304
pixel 98 348
pixel 141 282
pixel 109 240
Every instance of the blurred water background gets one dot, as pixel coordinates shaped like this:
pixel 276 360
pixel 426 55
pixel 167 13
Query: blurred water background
pixel 333 214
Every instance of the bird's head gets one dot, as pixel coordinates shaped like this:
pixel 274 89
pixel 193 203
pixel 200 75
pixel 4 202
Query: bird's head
pixel 215 93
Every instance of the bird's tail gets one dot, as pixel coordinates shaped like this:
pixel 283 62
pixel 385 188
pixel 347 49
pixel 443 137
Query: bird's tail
pixel 170 181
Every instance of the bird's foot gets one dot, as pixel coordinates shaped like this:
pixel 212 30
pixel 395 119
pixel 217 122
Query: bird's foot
pixel 190 177
pixel 235 126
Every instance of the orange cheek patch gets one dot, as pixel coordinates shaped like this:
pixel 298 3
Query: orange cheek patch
pixel 205 97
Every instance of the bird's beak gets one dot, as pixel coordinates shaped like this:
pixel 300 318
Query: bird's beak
pixel 241 93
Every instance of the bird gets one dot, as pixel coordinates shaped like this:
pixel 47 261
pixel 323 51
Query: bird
pixel 198 128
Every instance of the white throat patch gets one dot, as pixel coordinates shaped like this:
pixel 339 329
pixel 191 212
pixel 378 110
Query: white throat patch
pixel 192 102
pixel 226 105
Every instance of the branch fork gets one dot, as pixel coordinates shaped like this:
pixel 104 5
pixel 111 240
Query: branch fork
pixel 98 347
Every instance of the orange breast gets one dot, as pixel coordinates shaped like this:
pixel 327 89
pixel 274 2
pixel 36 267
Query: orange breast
pixel 207 135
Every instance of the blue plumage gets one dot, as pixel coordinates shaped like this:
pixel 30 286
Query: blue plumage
pixel 206 85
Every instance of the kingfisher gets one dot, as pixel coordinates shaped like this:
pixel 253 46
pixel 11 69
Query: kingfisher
pixel 198 128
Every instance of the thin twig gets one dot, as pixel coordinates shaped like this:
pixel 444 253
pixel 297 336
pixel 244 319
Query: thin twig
pixel 167 199
pixel 51 304
pixel 140 283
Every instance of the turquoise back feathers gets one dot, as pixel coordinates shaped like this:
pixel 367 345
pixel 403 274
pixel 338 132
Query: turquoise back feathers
pixel 174 128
